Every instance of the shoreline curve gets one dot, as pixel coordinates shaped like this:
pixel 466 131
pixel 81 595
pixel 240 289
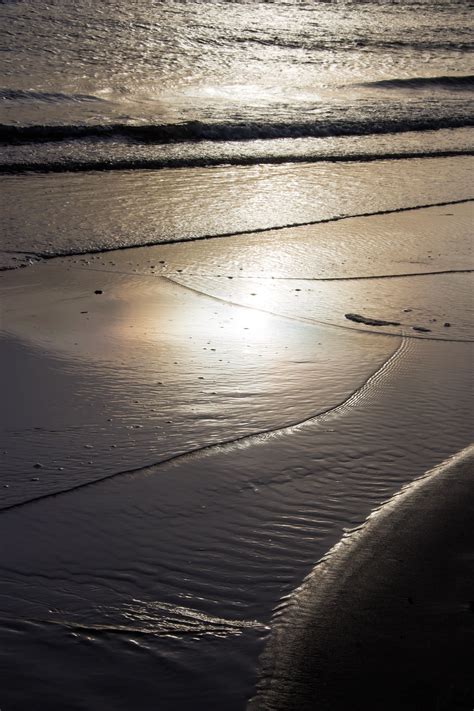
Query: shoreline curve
pixel 385 619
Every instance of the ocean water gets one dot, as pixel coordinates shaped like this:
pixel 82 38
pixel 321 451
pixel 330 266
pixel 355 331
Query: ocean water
pixel 141 84
pixel 218 90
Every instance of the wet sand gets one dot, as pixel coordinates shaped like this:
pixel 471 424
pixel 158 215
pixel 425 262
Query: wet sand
pixel 205 429
pixel 385 620
pixel 147 370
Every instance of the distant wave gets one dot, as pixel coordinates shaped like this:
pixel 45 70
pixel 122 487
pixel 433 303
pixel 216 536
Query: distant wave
pixel 319 43
pixel 453 83
pixel 226 131
pixel 49 97
pixel 418 45
pixel 79 166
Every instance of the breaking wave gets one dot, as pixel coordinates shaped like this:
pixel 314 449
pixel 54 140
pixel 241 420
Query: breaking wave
pixel 453 83
pixel 48 97
pixel 226 131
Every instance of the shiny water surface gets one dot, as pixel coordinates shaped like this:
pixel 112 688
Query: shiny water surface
pixel 110 82
pixel 145 371
pixel 48 214
pixel 180 61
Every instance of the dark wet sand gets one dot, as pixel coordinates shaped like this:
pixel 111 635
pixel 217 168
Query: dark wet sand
pixel 238 422
pixel 385 620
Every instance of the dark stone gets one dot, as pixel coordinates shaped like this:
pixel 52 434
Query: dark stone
pixel 370 321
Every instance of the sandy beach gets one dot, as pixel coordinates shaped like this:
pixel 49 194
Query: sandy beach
pixel 192 426
pixel 236 333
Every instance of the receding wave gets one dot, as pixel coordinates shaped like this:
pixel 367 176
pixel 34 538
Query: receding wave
pixel 49 97
pixel 205 161
pixel 453 83
pixel 239 131
pixel 320 43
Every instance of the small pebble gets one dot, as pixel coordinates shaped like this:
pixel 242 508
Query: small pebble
pixel 98 291
pixel 37 465
pixel 447 324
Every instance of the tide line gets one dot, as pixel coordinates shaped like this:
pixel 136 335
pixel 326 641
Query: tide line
pixel 240 442
pixel 239 233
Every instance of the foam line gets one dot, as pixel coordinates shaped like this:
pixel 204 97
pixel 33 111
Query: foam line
pixel 78 166
pixel 240 233
pixel 236 442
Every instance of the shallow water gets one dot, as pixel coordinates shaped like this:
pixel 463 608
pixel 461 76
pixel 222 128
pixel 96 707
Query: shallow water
pixel 171 573
pixel 62 214
pixel 101 383
pixel 157 556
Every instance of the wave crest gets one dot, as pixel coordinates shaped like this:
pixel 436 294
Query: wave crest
pixel 226 131
pixel 447 83
pixel 48 97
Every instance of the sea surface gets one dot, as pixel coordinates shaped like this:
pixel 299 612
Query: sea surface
pixel 125 87
pixel 199 83
pixel 198 194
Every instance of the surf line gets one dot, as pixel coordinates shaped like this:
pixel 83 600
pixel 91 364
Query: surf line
pixel 241 442
pixel 105 165
pixel 241 233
